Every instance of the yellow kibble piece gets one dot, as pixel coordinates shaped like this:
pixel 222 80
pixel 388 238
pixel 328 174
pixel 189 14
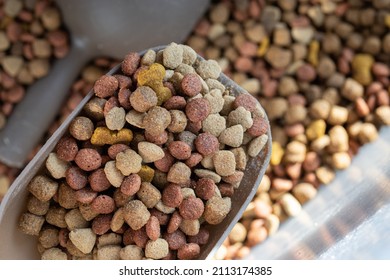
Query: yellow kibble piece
pixel 103 136
pixel 314 48
pixel 146 173
pixel 277 153
pixel 315 129
pixel 264 45
pixel 361 68
pixel 387 20
pixel 153 78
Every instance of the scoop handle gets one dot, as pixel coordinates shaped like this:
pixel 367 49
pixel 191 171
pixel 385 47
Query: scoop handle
pixel 32 117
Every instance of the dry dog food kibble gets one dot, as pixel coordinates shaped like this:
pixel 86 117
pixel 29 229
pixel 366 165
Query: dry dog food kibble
pixel 154 169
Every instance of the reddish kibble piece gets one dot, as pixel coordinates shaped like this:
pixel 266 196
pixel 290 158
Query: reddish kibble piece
pixel 176 102
pixel 127 237
pixel 159 139
pixel 175 239
pixel 247 101
pixel 103 204
pixel 85 195
pixel 188 251
pixel 205 188
pixel 152 228
pixel 131 184
pixel 63 236
pixel 88 159
pixel 105 86
pixel 194 160
pixel 172 195
pixel 98 180
pixel 226 189
pixel 179 150
pixel 111 103
pixel 140 237
pixel 259 127
pixel 191 208
pixel 206 144
pixel 130 63
pixel 76 178
pixel 165 163
pixel 124 81
pixel 162 218
pixel 174 222
pixel 198 109
pixel 201 238
pixel 67 148
pixel 194 127
pixel 123 98
pixel 101 224
pixel 191 84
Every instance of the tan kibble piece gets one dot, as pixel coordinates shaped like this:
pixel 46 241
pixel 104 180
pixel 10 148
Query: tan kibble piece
pixel 320 143
pixel 31 224
pixel 81 128
pixel 35 206
pixel 156 249
pixel 341 160
pixel 143 98
pixel 368 133
pixel 87 212
pixel 290 204
pixel 131 252
pixel 304 192
pixel 240 116
pixel 216 100
pixel 241 158
pixel 238 233
pixel 84 239
pixel 54 254
pixel 325 175
pixel 271 224
pixel 257 144
pixel 383 114
pixel 187 192
pixel 136 214
pixel 320 109
pixel 295 113
pixel 43 187
pixel 216 209
pixel 205 173
pixel 338 137
pixel 75 220
pixel 115 118
pixel 295 152
pixel 190 227
pixel 48 237
pixel 109 252
pixel 109 239
pixel 149 194
pixel 128 162
pixel 214 124
pixel 352 89
pixel 113 174
pixel 157 120
pixel 56 216
pixel 95 107
pixel 56 166
pixel 117 220
pixel 179 173
pixel 208 69
pixel 178 121
pixel 232 136
pixel 150 152
pixel 224 163
pixel 338 115
pixel 160 206
pixel 135 118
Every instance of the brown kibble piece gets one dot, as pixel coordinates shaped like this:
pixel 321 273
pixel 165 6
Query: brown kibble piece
pixel 191 84
pixel 103 204
pixel 165 163
pixel 179 149
pixel 205 188
pixel 101 224
pixel 136 214
pixel 175 239
pixel 149 194
pixel 206 144
pixel 188 251
pixel 152 228
pixel 98 180
pixel 191 208
pixel 105 86
pixel 156 249
pixel 179 173
pixel 131 184
pixel 76 178
pixel 81 128
pixel 31 224
pixel 143 98
pixel 43 187
pixel 198 109
pixel 174 222
pixel 172 195
pixel 67 148
pixel 88 159
pixel 130 63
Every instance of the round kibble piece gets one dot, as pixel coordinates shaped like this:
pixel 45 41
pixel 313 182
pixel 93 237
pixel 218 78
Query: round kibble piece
pixel 180 150
pixel 130 63
pixel 81 128
pixel 172 195
pixel 175 239
pixel 103 204
pixel 188 251
pixel 143 98
pixel 198 109
pixel 131 184
pixel 206 144
pixel 115 118
pixel 67 148
pixel 191 208
pixel 88 159
pixel 191 84
pixel 76 178
pixel 105 86
pixel 205 188
pixel 179 173
pixel 156 249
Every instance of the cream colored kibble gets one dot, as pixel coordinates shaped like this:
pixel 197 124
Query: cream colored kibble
pixel 304 192
pixel 75 220
pixel 136 214
pixel 325 175
pixel 257 144
pixel 113 174
pixel 290 204
pixel 128 162
pixel 150 152
pixel 208 162
pixel 109 239
pixel 341 160
pixel 131 252
pixel 216 209
pixel 156 249
pixel 338 139
pixel 241 158
pixel 224 163
pixel 84 239
pixel 216 100
pixel 116 118
pixel 232 136
pixel 160 206
pixel 190 227
pixel 368 133
pixel 43 187
pixel 149 194
pixel 117 220
pixel 214 124
pixel 54 254
pixel 109 252
pixel 135 118
pixel 271 224
pixel 338 115
pixel 238 233
pixel 205 173
pixel 56 166
pixel 240 116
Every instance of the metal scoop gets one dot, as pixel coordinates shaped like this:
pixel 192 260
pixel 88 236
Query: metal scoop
pixel 97 28
pixel 17 245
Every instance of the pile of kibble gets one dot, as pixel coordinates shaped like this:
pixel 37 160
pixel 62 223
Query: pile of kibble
pixel 32 36
pixel 320 69
pixel 152 161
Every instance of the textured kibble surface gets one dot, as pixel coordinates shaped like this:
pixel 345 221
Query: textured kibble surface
pixel 320 68
pixel 148 169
